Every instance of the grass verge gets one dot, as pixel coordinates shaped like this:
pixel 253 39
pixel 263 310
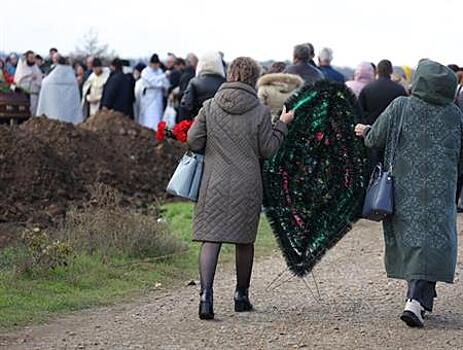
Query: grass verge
pixel 91 280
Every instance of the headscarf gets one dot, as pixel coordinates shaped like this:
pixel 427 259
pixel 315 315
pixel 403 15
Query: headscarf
pixel 364 74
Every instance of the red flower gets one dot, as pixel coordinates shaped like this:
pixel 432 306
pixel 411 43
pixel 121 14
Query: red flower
pixel 161 132
pixel 180 130
pixel 319 136
pixel 8 79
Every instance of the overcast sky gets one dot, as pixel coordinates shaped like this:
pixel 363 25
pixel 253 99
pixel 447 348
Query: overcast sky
pixel 357 30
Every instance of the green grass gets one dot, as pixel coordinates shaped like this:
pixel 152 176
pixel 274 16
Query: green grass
pixel 89 281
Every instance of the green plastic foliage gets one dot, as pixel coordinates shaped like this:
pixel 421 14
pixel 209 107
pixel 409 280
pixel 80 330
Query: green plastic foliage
pixel 315 184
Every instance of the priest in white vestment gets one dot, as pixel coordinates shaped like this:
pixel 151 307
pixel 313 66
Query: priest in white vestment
pixel 59 97
pixel 28 77
pixel 150 90
pixel 92 91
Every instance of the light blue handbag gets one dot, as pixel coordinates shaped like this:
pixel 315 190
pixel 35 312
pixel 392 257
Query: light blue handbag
pixel 186 180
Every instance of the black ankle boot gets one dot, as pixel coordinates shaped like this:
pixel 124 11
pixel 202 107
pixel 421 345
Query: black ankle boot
pixel 206 305
pixel 242 303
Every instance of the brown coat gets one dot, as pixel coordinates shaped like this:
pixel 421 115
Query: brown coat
pixel 235 131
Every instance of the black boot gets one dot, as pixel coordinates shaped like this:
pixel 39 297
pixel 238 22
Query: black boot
pixel 242 303
pixel 206 305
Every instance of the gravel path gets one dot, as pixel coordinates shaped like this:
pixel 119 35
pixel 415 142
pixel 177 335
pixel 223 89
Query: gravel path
pixel 358 309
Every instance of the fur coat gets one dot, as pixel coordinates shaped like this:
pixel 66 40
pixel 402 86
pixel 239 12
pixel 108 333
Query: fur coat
pixel 275 88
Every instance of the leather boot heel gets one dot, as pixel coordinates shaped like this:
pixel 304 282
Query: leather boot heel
pixel 206 305
pixel 242 303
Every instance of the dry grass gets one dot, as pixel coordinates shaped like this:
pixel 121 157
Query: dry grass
pixel 104 226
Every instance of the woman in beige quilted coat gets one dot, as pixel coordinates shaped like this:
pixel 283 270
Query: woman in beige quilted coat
pixel 235 131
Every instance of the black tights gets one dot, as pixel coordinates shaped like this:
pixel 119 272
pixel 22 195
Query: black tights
pixel 208 262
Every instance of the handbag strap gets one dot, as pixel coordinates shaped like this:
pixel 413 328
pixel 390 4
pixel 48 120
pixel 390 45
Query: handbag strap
pixel 395 144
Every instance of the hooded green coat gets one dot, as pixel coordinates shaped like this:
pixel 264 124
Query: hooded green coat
pixel 421 237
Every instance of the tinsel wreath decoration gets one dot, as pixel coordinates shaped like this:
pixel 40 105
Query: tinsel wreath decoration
pixel 315 184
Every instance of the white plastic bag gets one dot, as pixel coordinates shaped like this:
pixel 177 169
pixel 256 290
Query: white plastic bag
pixel 169 116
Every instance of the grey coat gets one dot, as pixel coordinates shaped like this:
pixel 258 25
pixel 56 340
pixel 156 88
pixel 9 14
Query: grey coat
pixel 235 131
pixel 421 238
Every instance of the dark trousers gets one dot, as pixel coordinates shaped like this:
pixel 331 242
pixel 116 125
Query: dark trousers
pixel 422 291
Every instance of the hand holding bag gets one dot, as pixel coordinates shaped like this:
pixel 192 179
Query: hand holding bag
pixel 186 181
pixel 379 199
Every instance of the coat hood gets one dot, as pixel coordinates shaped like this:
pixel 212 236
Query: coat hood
pixel 434 83
pixel 284 82
pixel 61 75
pixel 236 98
pixel 210 63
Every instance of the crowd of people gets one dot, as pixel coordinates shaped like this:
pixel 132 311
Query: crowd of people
pixel 175 88
pixel 69 90
pixel 241 119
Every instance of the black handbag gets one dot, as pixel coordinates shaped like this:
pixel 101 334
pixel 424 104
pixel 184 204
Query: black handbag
pixel 379 199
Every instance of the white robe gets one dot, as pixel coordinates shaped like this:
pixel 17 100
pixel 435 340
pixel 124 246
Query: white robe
pixel 59 97
pixel 29 79
pixel 92 91
pixel 149 92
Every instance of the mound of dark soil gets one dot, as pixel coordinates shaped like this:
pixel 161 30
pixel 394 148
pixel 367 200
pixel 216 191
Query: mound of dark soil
pixel 46 166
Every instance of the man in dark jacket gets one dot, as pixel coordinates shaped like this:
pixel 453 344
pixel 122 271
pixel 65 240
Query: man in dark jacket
pixel 376 96
pixel 374 99
pixel 311 54
pixel 176 73
pixel 188 73
pixel 302 67
pixel 118 92
pixel 50 63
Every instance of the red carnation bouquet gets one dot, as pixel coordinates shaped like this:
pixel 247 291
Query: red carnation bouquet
pixel 178 132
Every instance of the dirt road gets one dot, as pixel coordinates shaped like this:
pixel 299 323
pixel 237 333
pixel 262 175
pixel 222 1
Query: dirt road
pixel 358 309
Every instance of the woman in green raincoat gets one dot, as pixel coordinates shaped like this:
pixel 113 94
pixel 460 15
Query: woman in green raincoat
pixel 421 236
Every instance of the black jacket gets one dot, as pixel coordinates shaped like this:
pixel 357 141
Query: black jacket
pixel 306 71
pixel 199 89
pixel 119 94
pixel 376 96
pixel 188 74
pixel 174 79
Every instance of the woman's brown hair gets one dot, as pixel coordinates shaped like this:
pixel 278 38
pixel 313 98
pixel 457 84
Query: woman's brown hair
pixel 245 70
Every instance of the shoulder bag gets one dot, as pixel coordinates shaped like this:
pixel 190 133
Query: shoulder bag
pixel 379 199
